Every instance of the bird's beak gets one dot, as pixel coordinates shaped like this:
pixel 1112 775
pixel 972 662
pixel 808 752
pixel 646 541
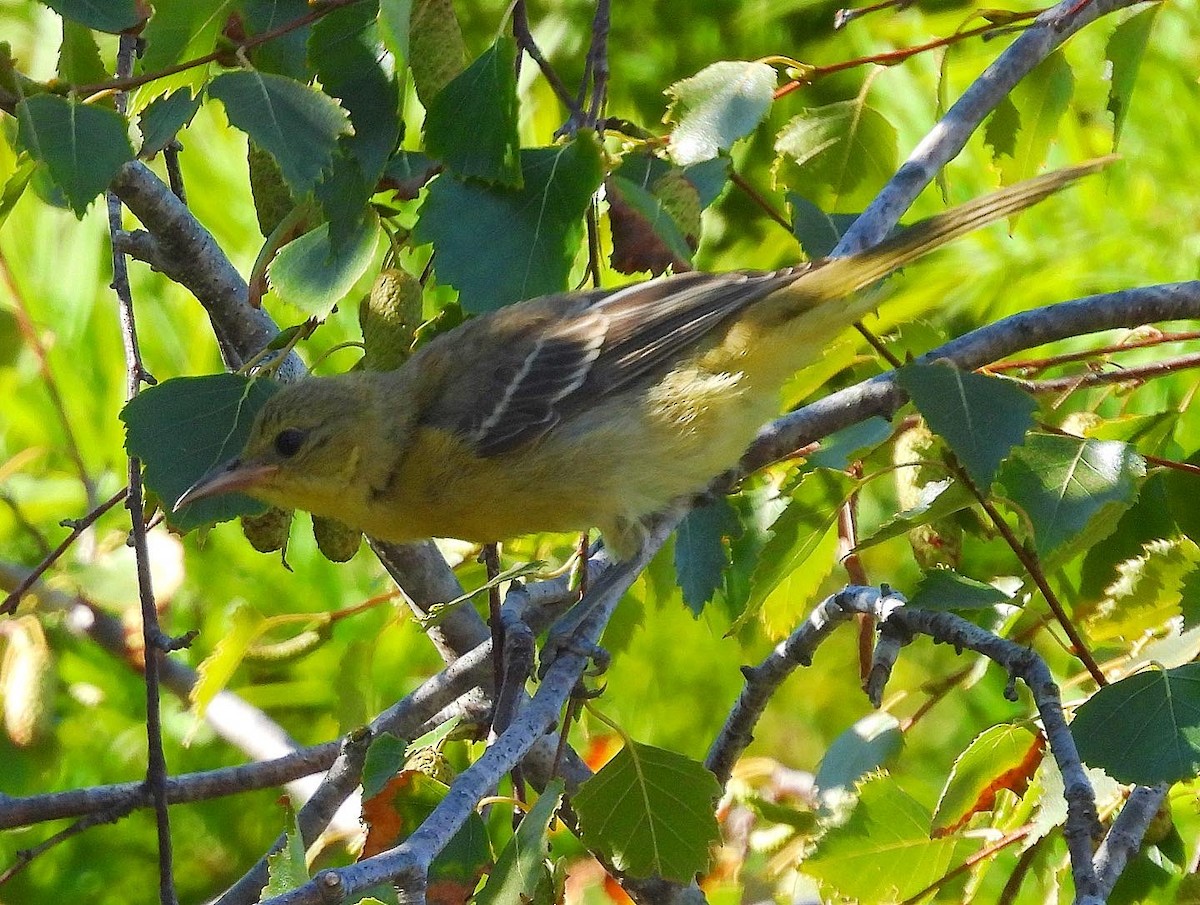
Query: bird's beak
pixel 227 478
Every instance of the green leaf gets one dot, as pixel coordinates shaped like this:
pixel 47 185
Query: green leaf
pixel 243 627
pixel 717 106
pixel 1042 97
pixel 816 231
pixel 841 448
pixel 1149 518
pixel 185 427
pixel 314 275
pixel 184 30
pixel 287 869
pixel 981 418
pixel 1003 126
pixel 700 554
pixel 163 119
pixel 521 866
pixel 944 589
pixel 385 758
pixel 651 812
pixel 994 760
pixel 79 58
pixel 1144 729
pixel 1124 52
pixel 1148 591
pixel 938 500
pixel 533 232
pixel 346 51
pixel 837 154
pixel 103 15
pixel 870 743
pixel 394 19
pixel 15 185
pixel 883 853
pixel 297 124
pixel 1072 491
pixel 796 534
pixel 81 145
pixel 285 54
pixel 472 123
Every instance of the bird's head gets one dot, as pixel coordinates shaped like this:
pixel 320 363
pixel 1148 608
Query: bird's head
pixel 305 448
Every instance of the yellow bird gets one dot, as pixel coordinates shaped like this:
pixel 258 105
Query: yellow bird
pixel 576 410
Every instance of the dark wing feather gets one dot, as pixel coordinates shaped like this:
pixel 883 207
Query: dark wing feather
pixel 591 347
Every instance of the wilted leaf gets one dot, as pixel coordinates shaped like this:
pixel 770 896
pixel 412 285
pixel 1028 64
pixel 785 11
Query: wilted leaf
pixel 1002 757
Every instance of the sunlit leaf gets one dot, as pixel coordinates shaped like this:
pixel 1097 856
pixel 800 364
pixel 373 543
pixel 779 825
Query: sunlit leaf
pixel 717 106
pixel 1041 98
pixel 1148 590
pixel 938 500
pixel 871 743
pixel 1072 491
pixel 652 812
pixel 1124 51
pixel 943 589
pixel 1002 757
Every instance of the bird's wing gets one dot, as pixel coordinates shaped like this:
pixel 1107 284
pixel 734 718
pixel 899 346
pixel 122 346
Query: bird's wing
pixel 574 353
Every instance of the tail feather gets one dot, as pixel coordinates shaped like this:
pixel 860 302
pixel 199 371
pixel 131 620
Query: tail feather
pixel 837 278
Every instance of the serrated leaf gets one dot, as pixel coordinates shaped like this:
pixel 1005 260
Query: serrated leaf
pixel 717 106
pixel 314 275
pixel 15 185
pixel 1072 491
pixel 78 57
pixel 652 812
pixel 1148 590
pixel 1144 729
pixel 944 589
pixel 184 31
pixel 163 119
pixel 471 125
pixel 981 418
pixel 700 554
pixel 938 500
pixel 533 232
pixel 297 124
pixel 796 534
pixel 836 154
pixel 1124 52
pixel 883 853
pixel 81 145
pixel 285 54
pixel 183 428
pixel 385 758
pixel 103 15
pixel 521 866
pixel 287 869
pixel 214 672
pixel 346 50
pixel 857 752
pixel 1042 97
pixel 1003 126
pixel 1001 757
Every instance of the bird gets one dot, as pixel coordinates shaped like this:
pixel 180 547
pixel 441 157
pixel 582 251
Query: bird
pixel 572 411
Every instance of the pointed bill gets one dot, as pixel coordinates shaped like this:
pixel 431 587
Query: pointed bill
pixel 228 478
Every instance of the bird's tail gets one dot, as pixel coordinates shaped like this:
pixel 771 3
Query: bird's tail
pixel 837 278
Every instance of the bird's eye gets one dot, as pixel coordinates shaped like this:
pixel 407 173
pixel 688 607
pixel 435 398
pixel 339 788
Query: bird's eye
pixel 289 441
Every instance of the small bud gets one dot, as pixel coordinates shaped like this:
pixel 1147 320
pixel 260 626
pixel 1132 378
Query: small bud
pixel 932 546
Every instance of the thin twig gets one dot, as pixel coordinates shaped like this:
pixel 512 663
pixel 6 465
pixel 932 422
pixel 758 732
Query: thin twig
pixel 78 526
pixel 982 855
pixel 174 174
pixel 26 856
pixel 525 42
pixel 1136 374
pixel 1040 364
pixel 156 762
